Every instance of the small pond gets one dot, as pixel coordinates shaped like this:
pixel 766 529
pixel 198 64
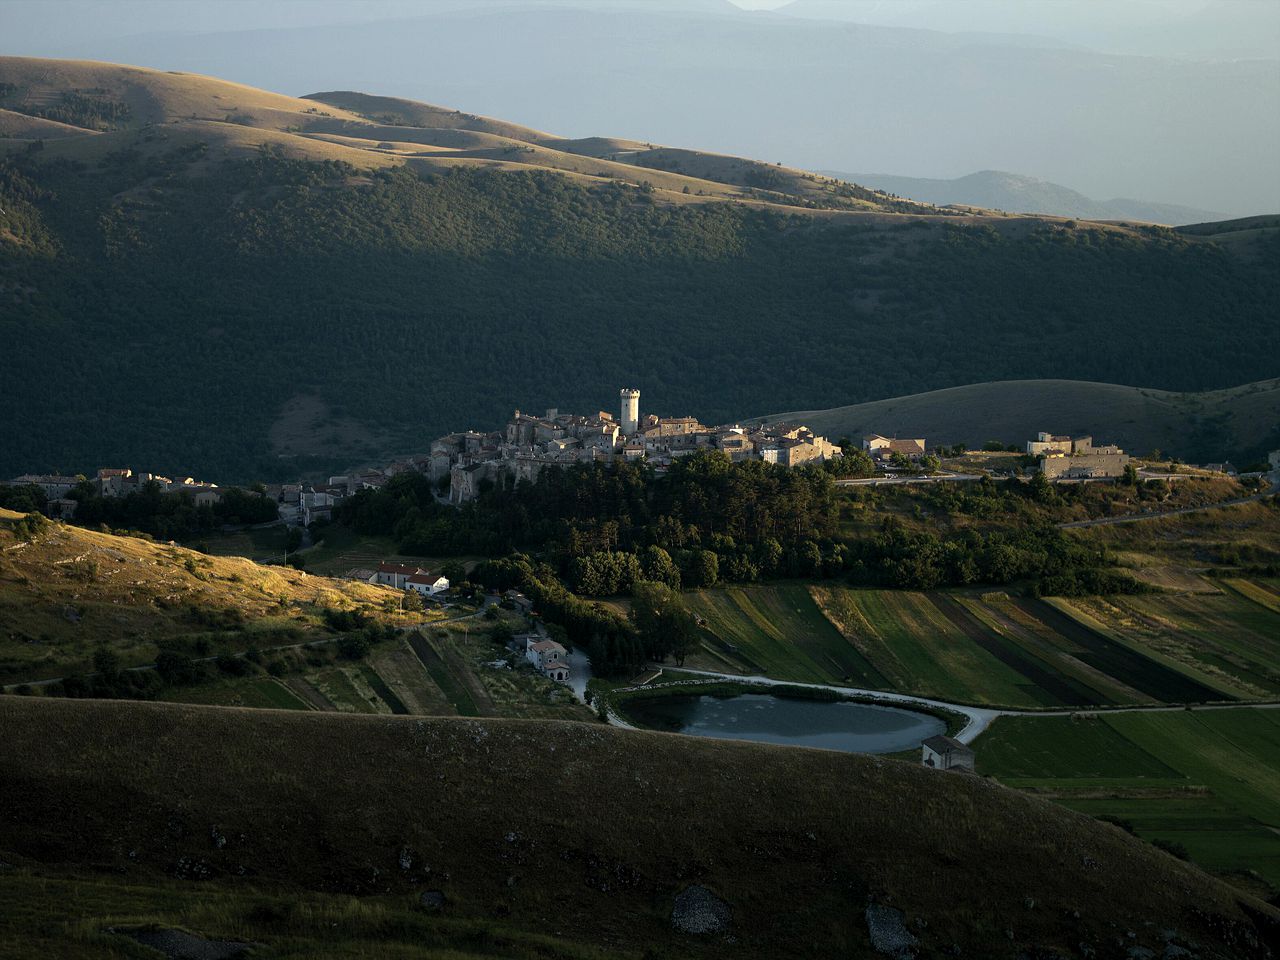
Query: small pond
pixel 851 727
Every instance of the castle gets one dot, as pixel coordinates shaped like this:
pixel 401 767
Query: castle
pixel 528 444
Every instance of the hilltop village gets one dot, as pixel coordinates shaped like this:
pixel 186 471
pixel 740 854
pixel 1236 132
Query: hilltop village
pixel 530 443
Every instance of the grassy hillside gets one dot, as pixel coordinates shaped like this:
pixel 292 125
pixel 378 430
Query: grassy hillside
pixel 1211 425
pixel 68 589
pixel 531 829
pixel 396 270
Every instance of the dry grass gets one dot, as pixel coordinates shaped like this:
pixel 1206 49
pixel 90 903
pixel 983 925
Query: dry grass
pixel 71 588
pixel 796 840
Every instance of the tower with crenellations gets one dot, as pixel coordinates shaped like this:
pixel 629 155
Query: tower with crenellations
pixel 630 410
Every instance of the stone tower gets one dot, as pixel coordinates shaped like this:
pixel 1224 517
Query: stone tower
pixel 630 411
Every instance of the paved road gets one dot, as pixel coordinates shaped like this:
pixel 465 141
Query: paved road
pixel 900 481
pixel 979 718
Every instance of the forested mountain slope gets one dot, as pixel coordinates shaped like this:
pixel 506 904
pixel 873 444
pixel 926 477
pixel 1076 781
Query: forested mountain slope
pixel 229 296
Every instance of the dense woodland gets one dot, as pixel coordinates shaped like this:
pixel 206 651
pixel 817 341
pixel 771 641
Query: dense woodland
pixel 160 308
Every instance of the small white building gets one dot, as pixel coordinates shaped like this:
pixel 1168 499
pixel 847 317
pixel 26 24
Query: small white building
pixel 408 576
pixel 945 753
pixel 549 658
pixel 427 584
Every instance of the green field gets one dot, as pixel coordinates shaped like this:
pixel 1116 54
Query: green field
pixel 1208 779
pixel 251 692
pixel 987 649
pixel 1227 638
pixel 778 631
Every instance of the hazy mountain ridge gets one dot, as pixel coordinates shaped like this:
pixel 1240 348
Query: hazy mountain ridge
pixel 998 190
pixel 652 74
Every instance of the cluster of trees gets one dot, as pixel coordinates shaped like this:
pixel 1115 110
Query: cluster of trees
pixel 187 663
pixel 607 526
pixel 171 516
pixel 482 257
pixel 1055 564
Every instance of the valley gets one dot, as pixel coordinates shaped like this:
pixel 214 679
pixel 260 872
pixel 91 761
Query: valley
pixel 352 605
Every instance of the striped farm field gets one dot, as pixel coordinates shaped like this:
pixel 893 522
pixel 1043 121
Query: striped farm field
pixel 1224 641
pixel 1208 779
pixel 918 646
pixel 779 631
pixel 974 648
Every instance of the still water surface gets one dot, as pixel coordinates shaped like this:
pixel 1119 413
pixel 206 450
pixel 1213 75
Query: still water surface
pixel 851 727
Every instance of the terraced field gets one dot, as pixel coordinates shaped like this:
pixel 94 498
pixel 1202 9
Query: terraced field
pixel 989 649
pixel 441 675
pixel 1208 779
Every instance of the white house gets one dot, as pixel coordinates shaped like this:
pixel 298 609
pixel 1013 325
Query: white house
pixel 404 576
pixel 427 584
pixel 944 753
pixel 549 657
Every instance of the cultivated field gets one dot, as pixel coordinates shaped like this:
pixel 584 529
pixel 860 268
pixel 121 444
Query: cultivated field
pixel 443 670
pixel 989 649
pixel 1208 779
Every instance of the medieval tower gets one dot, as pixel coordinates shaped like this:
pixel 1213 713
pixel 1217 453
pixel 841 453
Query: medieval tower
pixel 630 411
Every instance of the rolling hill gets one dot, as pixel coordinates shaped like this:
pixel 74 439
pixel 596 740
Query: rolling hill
pixel 1213 425
pixel 66 590
pixel 577 836
pixel 997 190
pixel 220 281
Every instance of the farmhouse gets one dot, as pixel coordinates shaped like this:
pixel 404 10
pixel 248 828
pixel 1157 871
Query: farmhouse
pixel 404 576
pixel 944 753
pixel 549 657
pixel 427 584
pixel 883 448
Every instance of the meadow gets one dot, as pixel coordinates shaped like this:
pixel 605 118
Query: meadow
pixel 1208 779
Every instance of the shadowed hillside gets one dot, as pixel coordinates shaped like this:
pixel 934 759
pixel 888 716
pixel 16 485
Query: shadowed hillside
pixel 1194 426
pixel 318 284
pixel 581 832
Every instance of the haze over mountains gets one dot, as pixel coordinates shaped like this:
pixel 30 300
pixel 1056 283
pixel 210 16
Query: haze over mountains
pixel 880 94
pixel 997 190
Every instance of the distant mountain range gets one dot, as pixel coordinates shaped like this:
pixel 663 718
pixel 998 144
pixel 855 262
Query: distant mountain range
pixel 1015 193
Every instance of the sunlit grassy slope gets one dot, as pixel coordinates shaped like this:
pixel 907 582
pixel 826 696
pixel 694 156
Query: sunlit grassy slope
pixel 70 589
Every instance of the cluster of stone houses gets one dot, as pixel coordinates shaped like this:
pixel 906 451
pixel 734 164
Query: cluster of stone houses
pixel 531 443
pixel 112 482
pixel 1076 458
